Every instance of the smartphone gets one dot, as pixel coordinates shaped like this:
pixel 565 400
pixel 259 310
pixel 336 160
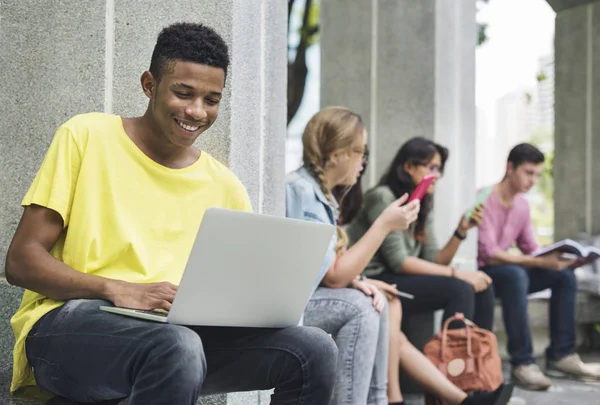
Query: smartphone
pixel 405 295
pixel 480 199
pixel 422 188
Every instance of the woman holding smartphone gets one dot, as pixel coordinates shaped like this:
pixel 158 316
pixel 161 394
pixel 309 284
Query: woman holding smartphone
pixel 412 259
pixel 403 356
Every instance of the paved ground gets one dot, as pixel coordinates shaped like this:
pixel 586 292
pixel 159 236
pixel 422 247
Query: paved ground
pixel 562 393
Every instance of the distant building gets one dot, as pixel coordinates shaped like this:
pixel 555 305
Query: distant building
pixel 517 115
pixel 489 167
pixel 545 89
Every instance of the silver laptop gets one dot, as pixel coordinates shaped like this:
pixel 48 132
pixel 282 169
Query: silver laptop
pixel 246 270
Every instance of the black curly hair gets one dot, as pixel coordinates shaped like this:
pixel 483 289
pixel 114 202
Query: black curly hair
pixel 188 42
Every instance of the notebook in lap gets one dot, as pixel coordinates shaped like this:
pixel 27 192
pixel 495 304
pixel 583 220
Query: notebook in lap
pixel 246 270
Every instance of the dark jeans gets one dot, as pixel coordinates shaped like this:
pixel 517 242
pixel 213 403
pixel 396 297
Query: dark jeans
pixel 447 293
pixel 512 284
pixel 88 355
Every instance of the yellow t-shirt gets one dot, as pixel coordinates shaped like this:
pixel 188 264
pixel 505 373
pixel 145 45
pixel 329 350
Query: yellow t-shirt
pixel 126 217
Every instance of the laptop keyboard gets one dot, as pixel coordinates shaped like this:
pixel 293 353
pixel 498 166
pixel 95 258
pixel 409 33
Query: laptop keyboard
pixel 151 312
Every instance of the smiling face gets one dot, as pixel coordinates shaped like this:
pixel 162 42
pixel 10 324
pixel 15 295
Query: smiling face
pixel 185 101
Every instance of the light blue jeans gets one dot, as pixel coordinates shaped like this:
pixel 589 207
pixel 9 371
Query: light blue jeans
pixel 361 335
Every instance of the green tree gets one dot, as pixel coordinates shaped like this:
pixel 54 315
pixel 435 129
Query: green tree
pixel 297 69
pixel 543 213
pixel 481 27
pixel 546 184
pixel 543 138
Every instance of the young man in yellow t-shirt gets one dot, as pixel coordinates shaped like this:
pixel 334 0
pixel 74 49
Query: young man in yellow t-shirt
pixel 110 218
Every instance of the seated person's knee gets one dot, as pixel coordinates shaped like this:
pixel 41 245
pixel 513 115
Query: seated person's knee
pixel 395 306
pixel 402 339
pixel 364 303
pixel 489 293
pixel 516 276
pixel 568 279
pixel 179 348
pixel 321 345
pixel 316 350
pixel 460 288
pixel 395 311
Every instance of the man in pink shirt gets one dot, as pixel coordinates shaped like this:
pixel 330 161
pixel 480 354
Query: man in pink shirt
pixel 507 222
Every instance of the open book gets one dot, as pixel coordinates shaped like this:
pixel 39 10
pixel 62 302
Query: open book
pixel 569 247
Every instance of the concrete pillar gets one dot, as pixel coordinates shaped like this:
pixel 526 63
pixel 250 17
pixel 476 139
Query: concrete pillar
pixel 408 67
pixel 577 123
pixel 72 57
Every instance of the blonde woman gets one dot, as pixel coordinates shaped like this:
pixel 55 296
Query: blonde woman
pixel 342 304
pixel 353 311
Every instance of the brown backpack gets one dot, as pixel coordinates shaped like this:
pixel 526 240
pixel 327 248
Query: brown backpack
pixel 468 357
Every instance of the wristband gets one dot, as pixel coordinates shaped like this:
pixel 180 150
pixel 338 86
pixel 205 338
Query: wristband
pixel 458 236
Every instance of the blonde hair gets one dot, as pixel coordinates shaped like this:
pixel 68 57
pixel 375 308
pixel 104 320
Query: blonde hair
pixel 330 129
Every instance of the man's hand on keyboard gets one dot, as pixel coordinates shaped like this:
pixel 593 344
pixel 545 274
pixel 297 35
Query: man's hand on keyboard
pixel 142 296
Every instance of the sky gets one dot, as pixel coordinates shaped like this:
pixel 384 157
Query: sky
pixel 519 32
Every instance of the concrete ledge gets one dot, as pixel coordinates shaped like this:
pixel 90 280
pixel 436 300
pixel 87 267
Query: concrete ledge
pixel 588 311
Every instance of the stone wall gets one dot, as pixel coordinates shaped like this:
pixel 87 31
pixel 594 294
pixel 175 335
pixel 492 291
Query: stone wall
pixel 577 122
pixel 71 57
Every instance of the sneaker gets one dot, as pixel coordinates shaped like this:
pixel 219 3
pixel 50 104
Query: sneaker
pixel 530 377
pixel 572 367
pixel 499 397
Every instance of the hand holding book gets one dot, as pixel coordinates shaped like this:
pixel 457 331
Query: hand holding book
pixel 568 249
pixel 555 261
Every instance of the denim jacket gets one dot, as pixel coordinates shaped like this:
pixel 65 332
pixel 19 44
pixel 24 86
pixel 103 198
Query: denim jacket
pixel 305 200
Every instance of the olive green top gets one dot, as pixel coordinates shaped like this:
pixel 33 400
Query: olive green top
pixel 398 245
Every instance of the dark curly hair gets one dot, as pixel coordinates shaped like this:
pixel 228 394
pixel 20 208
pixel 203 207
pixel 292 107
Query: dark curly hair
pixel 416 151
pixel 188 42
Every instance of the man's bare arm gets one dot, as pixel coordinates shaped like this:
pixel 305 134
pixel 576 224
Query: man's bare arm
pixel 502 257
pixel 551 261
pixel 30 265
